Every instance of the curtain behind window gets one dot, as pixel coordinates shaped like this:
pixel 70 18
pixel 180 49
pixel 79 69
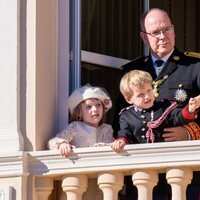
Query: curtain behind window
pixel 111 27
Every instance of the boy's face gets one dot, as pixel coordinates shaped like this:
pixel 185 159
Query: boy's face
pixel 142 97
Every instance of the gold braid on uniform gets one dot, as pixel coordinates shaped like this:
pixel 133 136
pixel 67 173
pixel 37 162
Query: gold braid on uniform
pixel 194 130
pixel 157 83
pixel 192 54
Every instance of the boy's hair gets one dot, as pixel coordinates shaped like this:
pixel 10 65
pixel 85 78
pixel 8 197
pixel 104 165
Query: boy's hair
pixel 77 114
pixel 136 78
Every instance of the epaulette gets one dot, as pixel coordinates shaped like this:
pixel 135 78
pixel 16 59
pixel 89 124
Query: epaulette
pixel 192 54
pixel 123 109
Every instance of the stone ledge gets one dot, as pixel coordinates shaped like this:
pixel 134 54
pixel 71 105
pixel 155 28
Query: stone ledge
pixel 159 156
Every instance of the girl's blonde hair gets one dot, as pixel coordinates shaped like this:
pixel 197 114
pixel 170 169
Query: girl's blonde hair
pixel 136 78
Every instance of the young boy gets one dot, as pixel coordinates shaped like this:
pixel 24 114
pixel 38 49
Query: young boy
pixel 145 119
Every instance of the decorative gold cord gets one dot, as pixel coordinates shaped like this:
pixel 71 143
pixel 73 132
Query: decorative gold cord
pixel 157 83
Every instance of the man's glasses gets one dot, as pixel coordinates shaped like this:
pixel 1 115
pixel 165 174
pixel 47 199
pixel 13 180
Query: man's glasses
pixel 164 31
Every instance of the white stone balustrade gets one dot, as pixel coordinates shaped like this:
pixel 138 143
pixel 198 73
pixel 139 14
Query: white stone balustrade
pixel 43 187
pixel 110 184
pixel 75 186
pixel 143 161
pixel 145 180
pixel 179 178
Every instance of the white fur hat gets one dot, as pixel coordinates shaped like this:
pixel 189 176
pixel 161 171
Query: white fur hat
pixel 87 92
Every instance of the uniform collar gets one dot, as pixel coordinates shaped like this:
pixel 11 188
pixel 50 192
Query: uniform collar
pixel 137 109
pixel 171 64
pixel 165 58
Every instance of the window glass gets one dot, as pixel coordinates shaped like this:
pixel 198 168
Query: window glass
pixel 111 27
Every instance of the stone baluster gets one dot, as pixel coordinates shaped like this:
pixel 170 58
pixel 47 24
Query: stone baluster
pixel 179 179
pixel 110 184
pixel 145 182
pixel 75 186
pixel 43 187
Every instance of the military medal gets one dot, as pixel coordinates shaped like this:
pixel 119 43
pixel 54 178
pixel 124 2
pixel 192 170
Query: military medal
pixel 180 95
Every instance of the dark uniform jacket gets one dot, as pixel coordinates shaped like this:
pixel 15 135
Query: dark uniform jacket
pixel 182 71
pixel 133 122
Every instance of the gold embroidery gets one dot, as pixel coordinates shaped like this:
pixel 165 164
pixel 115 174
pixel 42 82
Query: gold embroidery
pixel 194 130
pixel 192 54
pixel 176 58
pixel 157 83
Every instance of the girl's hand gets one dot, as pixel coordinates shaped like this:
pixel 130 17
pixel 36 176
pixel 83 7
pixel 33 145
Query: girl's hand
pixel 118 146
pixel 65 149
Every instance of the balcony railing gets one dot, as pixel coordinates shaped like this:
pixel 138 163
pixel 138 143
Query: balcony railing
pixel 143 162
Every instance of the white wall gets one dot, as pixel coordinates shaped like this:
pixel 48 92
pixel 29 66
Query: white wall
pixel 9 88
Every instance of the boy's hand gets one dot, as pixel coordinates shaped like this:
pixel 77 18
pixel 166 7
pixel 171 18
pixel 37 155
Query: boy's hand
pixel 194 103
pixel 118 145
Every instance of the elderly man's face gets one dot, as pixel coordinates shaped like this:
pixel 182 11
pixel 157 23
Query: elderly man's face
pixel 159 33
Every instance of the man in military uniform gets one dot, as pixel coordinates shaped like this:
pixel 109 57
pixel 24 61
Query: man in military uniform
pixel 171 70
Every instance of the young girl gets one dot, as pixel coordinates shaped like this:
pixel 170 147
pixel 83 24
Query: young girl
pixel 87 106
pixel 146 118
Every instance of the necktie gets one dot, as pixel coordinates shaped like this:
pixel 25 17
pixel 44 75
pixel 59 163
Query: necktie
pixel 159 63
